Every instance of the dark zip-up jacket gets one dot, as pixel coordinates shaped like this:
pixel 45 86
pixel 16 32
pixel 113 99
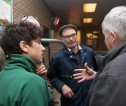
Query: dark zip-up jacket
pixel 62 68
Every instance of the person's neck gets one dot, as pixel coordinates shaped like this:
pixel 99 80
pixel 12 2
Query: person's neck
pixel 75 49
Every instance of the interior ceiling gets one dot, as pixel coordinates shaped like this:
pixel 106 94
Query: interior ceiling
pixel 71 11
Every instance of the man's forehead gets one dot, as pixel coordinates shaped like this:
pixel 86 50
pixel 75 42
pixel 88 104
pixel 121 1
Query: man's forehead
pixel 68 30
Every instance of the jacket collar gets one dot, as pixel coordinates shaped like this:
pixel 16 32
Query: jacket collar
pixel 18 60
pixel 68 51
pixel 108 56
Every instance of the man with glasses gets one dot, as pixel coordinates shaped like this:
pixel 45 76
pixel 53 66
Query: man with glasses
pixel 62 65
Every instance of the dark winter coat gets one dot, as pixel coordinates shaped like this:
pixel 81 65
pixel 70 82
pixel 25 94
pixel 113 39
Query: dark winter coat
pixel 113 69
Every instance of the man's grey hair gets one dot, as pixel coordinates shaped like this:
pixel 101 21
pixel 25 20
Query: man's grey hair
pixel 115 21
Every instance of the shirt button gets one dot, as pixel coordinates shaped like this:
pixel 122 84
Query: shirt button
pixel 70 56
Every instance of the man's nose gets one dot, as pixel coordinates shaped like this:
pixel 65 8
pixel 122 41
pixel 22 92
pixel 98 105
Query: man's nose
pixel 71 38
pixel 43 48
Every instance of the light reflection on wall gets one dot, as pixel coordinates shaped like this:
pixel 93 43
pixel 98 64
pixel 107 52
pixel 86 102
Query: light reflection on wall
pixel 92 39
pixel 79 36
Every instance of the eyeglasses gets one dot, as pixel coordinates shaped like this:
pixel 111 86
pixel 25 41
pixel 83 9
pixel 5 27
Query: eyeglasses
pixel 24 19
pixel 69 36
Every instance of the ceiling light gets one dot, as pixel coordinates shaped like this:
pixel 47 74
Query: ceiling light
pixel 89 7
pixel 91 36
pixel 87 20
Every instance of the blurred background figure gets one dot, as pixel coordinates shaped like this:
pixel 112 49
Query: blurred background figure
pixel 2 58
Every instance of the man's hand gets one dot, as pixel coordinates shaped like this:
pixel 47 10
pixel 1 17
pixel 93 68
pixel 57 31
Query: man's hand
pixel 67 92
pixel 41 70
pixel 84 74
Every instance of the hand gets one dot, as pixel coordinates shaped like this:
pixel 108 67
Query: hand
pixel 67 92
pixel 41 70
pixel 84 74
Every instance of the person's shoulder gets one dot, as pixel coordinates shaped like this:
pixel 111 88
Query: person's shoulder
pixel 31 76
pixel 34 76
pixel 35 79
pixel 86 48
pixel 59 53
